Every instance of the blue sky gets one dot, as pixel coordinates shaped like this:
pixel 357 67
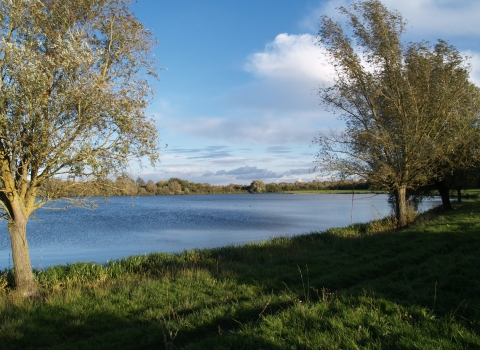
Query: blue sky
pixel 237 101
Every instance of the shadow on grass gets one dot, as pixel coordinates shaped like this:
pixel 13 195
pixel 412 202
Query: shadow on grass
pixel 56 327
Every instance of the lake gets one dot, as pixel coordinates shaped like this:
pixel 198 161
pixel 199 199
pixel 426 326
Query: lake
pixel 127 226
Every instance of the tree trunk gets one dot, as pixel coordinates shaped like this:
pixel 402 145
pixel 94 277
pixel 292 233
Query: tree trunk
pixel 401 199
pixel 444 192
pixel 459 194
pixel 24 281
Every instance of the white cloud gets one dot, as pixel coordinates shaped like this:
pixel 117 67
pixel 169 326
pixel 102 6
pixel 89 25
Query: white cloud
pixel 299 171
pixel 249 173
pixel 230 160
pixel 425 17
pixel 290 57
pixel 474 60
pixel 279 149
pixel 439 17
pixel 280 106
pixel 262 129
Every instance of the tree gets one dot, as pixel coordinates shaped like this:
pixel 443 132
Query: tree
pixel 151 187
pixel 174 187
pixel 140 182
pixel 73 97
pixel 257 186
pixel 271 187
pixel 125 186
pixel 464 178
pixel 441 77
pixel 401 103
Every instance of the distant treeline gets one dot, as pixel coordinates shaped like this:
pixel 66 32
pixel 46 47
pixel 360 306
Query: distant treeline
pixel 126 186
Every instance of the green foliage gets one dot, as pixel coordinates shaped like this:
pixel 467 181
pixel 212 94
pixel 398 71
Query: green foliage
pixel 73 91
pixel 363 286
pixel 271 188
pixel 257 186
pixel 126 186
pixel 403 104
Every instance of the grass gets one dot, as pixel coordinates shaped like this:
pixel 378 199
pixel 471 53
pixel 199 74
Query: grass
pixel 363 286
pixel 471 194
pixel 350 191
pixel 467 194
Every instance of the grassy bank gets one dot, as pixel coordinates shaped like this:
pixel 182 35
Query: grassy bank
pixel 348 288
pixel 350 191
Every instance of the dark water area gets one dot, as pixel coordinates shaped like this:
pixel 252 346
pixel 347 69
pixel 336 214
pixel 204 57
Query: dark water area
pixel 127 226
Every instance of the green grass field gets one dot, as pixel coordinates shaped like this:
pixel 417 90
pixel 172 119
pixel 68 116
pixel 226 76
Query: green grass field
pixel 350 288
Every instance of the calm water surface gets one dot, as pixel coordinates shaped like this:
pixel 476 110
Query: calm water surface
pixel 126 226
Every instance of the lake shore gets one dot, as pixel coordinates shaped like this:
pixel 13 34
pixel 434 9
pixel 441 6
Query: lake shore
pixel 335 192
pixel 123 226
pixel 360 286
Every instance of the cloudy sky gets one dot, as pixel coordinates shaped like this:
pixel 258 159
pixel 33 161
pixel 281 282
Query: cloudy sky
pixel 238 100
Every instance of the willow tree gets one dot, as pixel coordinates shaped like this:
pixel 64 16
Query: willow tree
pixel 404 106
pixel 439 78
pixel 73 94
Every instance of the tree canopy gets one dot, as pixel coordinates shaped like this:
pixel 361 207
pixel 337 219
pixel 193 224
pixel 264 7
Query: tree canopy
pixel 73 94
pixel 407 108
pixel 257 186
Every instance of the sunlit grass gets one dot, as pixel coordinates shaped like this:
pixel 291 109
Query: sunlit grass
pixel 349 191
pixel 363 286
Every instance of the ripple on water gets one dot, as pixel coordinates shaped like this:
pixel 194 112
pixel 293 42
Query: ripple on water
pixel 127 226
